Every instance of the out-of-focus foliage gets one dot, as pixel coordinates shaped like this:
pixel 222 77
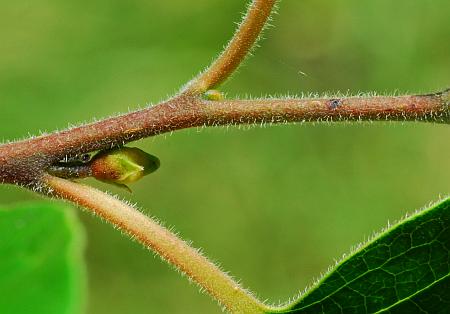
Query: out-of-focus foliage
pixel 274 205
pixel 41 265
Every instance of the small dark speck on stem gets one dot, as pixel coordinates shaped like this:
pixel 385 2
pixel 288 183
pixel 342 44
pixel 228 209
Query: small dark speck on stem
pixel 334 103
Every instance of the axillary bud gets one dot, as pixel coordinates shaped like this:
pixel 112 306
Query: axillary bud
pixel 123 165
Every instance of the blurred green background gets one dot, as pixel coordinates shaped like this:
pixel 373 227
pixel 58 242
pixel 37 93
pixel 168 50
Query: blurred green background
pixel 274 206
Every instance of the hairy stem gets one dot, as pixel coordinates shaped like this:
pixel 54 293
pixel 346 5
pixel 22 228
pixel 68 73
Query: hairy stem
pixel 237 49
pixel 426 108
pixel 172 249
pixel 20 162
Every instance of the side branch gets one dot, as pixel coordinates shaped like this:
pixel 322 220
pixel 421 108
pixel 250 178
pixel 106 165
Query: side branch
pixel 237 49
pixel 160 240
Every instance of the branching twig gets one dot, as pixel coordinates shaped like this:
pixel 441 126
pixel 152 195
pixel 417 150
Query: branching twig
pixel 26 162
pixel 22 162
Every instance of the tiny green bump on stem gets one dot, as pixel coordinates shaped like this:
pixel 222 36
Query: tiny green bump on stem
pixel 214 95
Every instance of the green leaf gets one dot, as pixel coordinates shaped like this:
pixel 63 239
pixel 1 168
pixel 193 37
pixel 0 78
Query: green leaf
pixel 406 269
pixel 41 264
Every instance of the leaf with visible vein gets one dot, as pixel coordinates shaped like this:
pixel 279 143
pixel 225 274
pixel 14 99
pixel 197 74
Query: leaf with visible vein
pixel 406 269
pixel 41 265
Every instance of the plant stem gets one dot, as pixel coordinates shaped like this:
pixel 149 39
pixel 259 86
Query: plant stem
pixel 23 162
pixel 237 49
pixel 26 162
pixel 167 245
pixel 425 108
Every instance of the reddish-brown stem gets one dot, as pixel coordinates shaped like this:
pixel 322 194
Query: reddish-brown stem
pixel 189 111
pixel 402 108
pixel 195 112
pixel 237 49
